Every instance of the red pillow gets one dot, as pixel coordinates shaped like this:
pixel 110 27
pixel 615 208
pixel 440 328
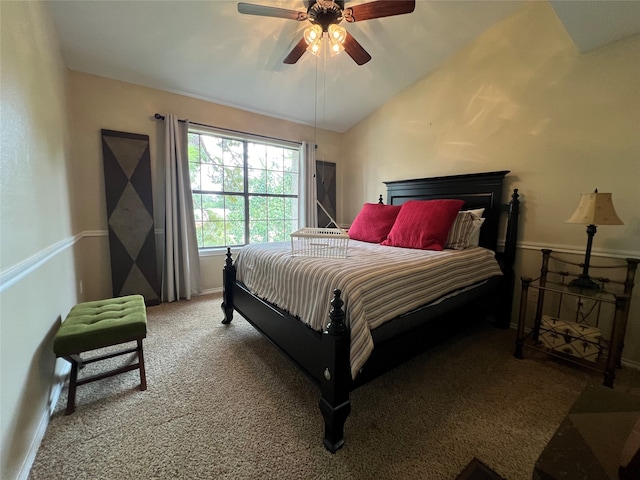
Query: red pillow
pixel 373 222
pixel 423 224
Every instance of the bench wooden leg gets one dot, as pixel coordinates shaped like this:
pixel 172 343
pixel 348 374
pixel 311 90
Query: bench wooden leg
pixel 71 398
pixel 143 375
pixel 78 362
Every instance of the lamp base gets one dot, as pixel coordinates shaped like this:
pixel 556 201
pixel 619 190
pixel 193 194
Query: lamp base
pixel 583 282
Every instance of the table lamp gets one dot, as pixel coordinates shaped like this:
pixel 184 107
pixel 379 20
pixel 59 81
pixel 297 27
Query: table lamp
pixel 594 209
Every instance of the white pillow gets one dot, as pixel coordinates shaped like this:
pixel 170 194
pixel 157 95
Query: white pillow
pixel 458 236
pixel 463 227
pixel 474 237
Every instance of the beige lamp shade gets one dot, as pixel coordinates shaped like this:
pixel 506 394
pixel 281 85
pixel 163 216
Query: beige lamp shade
pixel 595 209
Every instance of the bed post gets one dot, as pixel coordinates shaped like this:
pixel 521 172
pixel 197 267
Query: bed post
pixel 336 377
pixel 508 260
pixel 228 280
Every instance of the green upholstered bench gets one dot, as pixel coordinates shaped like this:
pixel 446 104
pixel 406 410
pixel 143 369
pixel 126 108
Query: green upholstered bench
pixel 99 324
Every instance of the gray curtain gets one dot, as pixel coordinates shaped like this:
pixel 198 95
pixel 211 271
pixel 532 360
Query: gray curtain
pixel 181 264
pixel 308 193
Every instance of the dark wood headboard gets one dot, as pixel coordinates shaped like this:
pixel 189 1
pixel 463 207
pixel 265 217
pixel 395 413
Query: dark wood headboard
pixel 478 190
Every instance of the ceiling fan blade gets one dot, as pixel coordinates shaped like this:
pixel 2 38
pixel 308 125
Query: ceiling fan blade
pixel 264 11
pixel 355 50
pixel 378 9
pixel 296 53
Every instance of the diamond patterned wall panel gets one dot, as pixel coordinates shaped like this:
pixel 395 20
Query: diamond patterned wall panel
pixel 127 177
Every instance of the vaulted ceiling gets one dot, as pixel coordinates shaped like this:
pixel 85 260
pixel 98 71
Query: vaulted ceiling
pixel 207 50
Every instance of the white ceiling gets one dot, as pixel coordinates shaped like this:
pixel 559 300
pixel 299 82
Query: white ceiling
pixel 207 50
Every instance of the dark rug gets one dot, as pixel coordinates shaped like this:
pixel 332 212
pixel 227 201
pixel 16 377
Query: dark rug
pixel 476 470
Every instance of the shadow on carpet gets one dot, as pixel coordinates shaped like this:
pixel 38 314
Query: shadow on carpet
pixel 476 470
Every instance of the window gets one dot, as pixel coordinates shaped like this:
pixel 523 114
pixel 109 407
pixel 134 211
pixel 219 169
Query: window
pixel 244 190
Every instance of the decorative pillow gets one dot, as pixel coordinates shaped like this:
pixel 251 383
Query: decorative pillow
pixel 458 237
pixel 474 236
pixel 374 222
pixel 423 224
pixel 466 224
pixel 478 212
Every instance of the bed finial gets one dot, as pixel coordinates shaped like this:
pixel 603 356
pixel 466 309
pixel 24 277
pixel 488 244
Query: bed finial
pixel 336 324
pixel 228 279
pixel 380 200
pixel 515 203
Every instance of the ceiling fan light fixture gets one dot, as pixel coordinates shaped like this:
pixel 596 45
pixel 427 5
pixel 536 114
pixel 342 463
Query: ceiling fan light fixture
pixel 325 17
pixel 315 46
pixel 313 34
pixel 337 33
pixel 335 47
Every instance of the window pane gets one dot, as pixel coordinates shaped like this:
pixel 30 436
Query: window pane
pixel 212 208
pixel 291 209
pixel 199 234
pixel 257 155
pixel 290 183
pixel 212 234
pixel 233 179
pixel 276 231
pixel 274 158
pixel 258 232
pixel 211 149
pixel 234 208
pixel 232 153
pixel 194 175
pixel 211 176
pixel 235 233
pixel 197 206
pixel 276 208
pixel 275 182
pixel 258 208
pixel 193 147
pixel 291 160
pixel 257 181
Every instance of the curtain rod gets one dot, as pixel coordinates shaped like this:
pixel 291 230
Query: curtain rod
pixel 157 116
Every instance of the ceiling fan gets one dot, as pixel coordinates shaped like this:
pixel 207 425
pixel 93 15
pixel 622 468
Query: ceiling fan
pixel 325 17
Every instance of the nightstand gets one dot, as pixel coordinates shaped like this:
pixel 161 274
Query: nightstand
pixel 583 326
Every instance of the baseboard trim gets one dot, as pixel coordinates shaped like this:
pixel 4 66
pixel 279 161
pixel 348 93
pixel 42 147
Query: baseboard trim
pixel 36 441
pixel 210 291
pixel 30 457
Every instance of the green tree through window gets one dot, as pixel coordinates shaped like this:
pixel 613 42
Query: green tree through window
pixel 244 191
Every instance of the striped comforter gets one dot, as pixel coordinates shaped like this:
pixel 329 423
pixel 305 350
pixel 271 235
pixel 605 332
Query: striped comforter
pixel 378 283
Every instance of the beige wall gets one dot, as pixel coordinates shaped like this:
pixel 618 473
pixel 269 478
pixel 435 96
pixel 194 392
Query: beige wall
pixel 98 103
pixel 521 98
pixel 36 252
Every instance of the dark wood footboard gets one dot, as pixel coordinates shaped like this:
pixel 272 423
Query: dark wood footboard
pixel 325 357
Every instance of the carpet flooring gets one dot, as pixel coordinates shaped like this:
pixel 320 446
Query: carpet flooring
pixel 223 403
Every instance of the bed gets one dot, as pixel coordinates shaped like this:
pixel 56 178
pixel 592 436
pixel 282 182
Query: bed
pixel 326 356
